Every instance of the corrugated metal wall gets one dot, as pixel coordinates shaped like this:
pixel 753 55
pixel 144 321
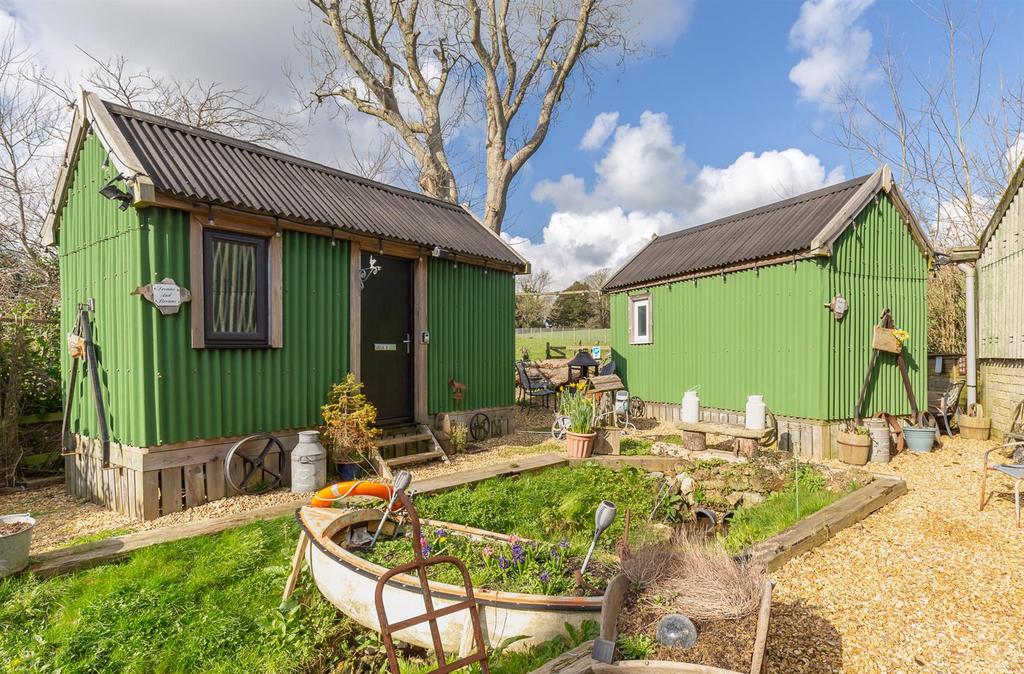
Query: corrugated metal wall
pixel 210 393
pixel 747 332
pixel 100 258
pixel 1001 288
pixel 876 265
pixel 471 317
pixel 766 331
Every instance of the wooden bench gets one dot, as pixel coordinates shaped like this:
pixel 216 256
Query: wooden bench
pixel 746 440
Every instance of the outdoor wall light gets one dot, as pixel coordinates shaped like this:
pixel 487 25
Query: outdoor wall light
pixel 603 518
pixel 115 193
pixel 441 253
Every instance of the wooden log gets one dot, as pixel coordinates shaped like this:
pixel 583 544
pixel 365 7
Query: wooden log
pixel 293 577
pixel 746 447
pixel 720 428
pixel 695 441
pixel 758 662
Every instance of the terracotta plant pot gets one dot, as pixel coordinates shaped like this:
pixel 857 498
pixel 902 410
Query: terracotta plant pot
pixel 579 445
pixel 853 448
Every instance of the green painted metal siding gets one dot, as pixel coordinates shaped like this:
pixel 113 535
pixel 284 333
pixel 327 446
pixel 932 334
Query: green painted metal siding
pixel 877 265
pixel 471 318
pixel 766 330
pixel 100 252
pixel 750 331
pixel 210 393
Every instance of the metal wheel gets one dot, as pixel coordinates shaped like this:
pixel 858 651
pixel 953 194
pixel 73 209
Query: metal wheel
pixel 637 407
pixel 479 426
pixel 559 426
pixel 253 464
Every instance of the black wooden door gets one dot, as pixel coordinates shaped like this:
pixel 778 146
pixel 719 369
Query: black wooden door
pixel 386 351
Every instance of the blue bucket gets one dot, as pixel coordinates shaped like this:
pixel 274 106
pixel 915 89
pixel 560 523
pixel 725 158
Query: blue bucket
pixel 919 440
pixel 348 471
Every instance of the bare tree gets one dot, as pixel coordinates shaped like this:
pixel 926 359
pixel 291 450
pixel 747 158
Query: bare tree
pixel 233 111
pixel 532 302
pixel 424 66
pixel 952 139
pixel 29 147
pixel 595 280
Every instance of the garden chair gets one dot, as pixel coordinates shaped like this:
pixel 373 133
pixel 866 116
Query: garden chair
pixel 1015 433
pixel 1015 470
pixel 947 407
pixel 533 387
pixel 607 369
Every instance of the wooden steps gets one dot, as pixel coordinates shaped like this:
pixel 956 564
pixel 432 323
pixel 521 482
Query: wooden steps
pixel 405 446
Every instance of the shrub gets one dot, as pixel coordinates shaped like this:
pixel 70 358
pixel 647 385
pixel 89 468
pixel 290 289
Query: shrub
pixel 460 437
pixel 348 420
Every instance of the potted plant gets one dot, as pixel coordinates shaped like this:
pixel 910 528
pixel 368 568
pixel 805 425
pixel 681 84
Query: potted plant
pixel 854 446
pixel 349 420
pixel 578 409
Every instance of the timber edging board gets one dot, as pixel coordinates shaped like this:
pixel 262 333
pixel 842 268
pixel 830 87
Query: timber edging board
pixel 79 557
pixel 818 527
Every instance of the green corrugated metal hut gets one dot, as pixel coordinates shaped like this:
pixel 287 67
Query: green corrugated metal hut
pixel 740 306
pixel 276 277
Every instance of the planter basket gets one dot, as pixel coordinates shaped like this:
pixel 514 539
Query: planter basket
pixel 579 445
pixel 975 426
pixel 853 448
pixel 883 339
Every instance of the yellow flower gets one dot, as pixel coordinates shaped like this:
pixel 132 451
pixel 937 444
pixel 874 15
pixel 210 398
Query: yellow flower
pixel 901 335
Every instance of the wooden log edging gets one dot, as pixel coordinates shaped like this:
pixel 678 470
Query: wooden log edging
pixel 79 557
pixel 818 527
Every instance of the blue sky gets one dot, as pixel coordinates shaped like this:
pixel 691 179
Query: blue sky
pixel 717 122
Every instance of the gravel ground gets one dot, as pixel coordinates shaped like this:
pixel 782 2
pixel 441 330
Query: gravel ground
pixel 927 584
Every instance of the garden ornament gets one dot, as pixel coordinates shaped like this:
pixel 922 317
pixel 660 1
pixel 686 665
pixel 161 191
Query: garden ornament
pixel 401 482
pixel 676 630
pixel 603 518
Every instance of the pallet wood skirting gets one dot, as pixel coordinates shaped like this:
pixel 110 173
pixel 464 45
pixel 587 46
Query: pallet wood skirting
pixel 502 419
pixel 808 438
pixel 78 557
pixel 146 483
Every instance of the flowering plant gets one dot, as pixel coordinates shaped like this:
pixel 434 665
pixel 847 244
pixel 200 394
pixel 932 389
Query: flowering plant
pixel 514 565
pixel 574 404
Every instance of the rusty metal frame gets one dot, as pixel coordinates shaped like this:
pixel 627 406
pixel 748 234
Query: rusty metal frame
pixel 420 565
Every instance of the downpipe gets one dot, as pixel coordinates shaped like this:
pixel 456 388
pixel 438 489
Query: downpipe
pixel 970 274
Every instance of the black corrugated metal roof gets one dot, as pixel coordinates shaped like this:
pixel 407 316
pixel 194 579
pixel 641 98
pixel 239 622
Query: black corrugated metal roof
pixel 212 168
pixel 781 228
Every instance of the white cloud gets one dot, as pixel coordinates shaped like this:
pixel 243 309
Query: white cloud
pixel 645 184
pixel 836 48
pixel 599 131
pixel 659 22
pixel 753 180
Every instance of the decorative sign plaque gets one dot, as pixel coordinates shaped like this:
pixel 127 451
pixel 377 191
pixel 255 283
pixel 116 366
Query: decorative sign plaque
pixel 167 296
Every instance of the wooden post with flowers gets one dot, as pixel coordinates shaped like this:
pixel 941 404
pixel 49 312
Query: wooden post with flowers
pixel 886 337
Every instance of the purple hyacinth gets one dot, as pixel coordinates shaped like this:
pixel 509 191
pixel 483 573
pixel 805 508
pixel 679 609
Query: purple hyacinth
pixel 424 546
pixel 518 554
pixel 544 576
pixel 503 562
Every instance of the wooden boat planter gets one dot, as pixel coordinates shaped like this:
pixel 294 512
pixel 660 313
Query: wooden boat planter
pixel 348 581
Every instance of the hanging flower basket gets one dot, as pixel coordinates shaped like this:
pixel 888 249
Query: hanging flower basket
pixel 889 340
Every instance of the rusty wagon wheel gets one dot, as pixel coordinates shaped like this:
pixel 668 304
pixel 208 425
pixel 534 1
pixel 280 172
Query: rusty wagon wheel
pixel 479 426
pixel 253 464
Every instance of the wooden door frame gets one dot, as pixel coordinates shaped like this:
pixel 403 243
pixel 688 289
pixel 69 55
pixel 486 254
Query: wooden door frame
pixel 420 369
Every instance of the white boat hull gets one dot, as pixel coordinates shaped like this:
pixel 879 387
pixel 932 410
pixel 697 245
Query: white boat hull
pixel 349 582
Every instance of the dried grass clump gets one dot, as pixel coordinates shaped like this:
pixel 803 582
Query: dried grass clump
pixel 706 583
pixel 649 564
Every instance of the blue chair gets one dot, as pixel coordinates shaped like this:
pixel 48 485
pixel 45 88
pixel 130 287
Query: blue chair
pixel 533 387
pixel 1014 470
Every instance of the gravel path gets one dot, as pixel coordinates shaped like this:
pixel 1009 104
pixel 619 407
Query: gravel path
pixel 927 584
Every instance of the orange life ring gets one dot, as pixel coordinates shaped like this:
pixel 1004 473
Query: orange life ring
pixel 328 495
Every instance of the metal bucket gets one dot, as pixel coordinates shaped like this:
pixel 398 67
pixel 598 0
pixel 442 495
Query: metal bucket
pixel 919 440
pixel 14 547
pixel 881 442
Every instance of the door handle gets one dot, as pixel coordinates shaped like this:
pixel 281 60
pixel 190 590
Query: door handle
pixel 407 341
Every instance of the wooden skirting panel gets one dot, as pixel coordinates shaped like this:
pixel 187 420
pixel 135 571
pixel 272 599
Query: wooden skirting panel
pixel 146 483
pixel 807 438
pixel 502 419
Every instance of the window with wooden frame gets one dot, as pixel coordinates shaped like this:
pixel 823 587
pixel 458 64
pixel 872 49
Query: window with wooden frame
pixel 640 323
pixel 236 290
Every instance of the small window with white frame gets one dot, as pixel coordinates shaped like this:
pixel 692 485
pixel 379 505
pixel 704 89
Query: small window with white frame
pixel 640 324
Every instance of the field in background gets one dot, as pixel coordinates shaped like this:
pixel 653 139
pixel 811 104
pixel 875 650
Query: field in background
pixel 535 339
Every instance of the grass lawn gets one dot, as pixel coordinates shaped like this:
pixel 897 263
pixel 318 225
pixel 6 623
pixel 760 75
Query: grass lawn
pixel 570 339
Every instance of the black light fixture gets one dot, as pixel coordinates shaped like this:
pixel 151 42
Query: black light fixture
pixel 115 193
